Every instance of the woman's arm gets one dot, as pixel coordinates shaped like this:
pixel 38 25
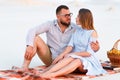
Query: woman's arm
pixel 83 54
pixel 89 50
pixel 67 50
pixel 95 45
pixel 61 56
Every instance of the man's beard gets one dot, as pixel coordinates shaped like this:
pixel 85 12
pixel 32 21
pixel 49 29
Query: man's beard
pixel 65 24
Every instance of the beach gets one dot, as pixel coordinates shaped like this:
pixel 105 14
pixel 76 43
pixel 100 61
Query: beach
pixel 17 17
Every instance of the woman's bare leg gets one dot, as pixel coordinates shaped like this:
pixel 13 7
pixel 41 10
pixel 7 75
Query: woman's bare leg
pixel 64 62
pixel 64 70
pixel 48 68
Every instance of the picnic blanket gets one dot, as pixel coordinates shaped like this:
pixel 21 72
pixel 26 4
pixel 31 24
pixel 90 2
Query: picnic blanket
pixel 13 75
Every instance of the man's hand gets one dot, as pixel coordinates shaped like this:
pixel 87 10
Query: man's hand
pixel 29 53
pixel 95 46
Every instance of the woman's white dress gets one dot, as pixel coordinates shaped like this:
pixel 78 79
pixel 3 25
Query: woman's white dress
pixel 80 41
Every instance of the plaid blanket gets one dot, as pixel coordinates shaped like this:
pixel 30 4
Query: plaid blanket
pixel 30 75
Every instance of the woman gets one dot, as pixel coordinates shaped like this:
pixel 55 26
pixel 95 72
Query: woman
pixel 78 54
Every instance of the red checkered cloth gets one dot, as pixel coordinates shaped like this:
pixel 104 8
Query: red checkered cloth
pixel 13 75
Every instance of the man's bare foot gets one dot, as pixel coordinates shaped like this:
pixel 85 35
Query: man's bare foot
pixel 17 69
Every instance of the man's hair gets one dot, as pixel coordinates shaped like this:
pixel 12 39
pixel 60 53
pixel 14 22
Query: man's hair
pixel 59 8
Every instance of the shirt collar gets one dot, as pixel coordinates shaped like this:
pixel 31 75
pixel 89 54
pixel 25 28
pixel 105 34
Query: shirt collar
pixel 56 24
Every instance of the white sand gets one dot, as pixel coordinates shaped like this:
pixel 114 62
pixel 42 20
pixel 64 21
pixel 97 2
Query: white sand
pixel 18 16
pixel 108 77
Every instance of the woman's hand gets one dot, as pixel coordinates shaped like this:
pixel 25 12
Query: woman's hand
pixel 60 57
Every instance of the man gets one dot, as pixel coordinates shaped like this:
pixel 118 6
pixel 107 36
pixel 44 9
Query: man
pixel 58 34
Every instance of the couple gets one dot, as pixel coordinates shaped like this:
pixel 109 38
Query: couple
pixel 69 46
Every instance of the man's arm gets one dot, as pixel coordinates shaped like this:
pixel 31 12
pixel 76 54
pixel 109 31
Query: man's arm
pixel 33 32
pixel 95 46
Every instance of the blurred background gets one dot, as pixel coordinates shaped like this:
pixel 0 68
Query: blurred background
pixel 18 16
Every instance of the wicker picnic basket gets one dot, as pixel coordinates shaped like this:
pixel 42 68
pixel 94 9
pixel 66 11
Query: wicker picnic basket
pixel 114 54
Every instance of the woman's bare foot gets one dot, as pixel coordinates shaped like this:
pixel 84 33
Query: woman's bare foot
pixel 25 78
pixel 47 75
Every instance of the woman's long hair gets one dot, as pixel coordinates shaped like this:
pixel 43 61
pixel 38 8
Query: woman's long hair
pixel 86 19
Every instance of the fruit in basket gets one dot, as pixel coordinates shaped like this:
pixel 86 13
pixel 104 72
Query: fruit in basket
pixel 114 55
pixel 114 51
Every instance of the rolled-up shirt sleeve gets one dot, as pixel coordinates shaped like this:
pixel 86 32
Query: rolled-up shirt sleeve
pixel 33 32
